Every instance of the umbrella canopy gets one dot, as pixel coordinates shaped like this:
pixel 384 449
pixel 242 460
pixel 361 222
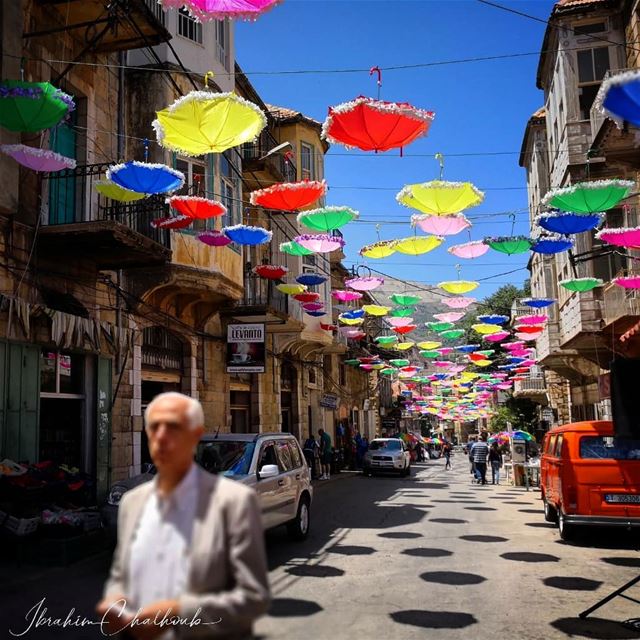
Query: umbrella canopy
pixel 452 334
pixel 345 296
pixel 386 340
pixel 429 344
pixel 458 302
pixel 316 314
pixel 451 316
pixel 375 125
pixel 458 286
pixel 399 322
pixel 403 312
pixel 485 329
pixel 619 98
pixel 406 329
pixel 378 250
pixel 417 245
pixel 404 346
pixel 404 299
pixel 174 222
pixel 510 245
pixel 533 318
pixel 367 283
pixel 145 177
pixel 440 225
pixel 375 310
pixel 213 238
pixel 627 282
pixel 498 336
pixel 439 326
pixel 197 208
pixel 205 122
pixel 248 235
pixel 320 242
pixel 440 198
pixel 569 223
pixel 294 249
pixel 270 271
pixel 581 284
pixel 311 279
pixel 628 237
pixel 37 159
pixel 116 192
pixel 538 303
pixel 549 245
pixel 205 10
pixel 589 197
pixel 29 107
pixel 306 296
pixel 493 319
pixel 469 250
pixel 327 218
pixel 289 196
pixel 312 306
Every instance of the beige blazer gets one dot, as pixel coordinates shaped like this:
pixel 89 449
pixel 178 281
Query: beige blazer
pixel 228 573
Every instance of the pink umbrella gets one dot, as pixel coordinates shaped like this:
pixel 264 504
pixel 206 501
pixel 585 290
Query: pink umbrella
pixel 444 350
pixel 513 345
pixel 628 282
pixel 458 302
pixel 458 368
pixel 364 284
pixel 345 296
pixel 527 336
pixel 443 364
pixel 441 225
pixel 319 242
pixel 37 159
pixel 205 10
pixel 622 237
pixel 399 322
pixel 313 306
pixel 497 337
pixel 214 238
pixel 469 250
pixel 535 318
pixel 451 316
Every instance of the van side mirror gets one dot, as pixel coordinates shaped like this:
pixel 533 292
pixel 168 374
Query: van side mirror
pixel 268 471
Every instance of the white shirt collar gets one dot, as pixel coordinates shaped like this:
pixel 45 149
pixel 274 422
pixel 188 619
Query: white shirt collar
pixel 183 492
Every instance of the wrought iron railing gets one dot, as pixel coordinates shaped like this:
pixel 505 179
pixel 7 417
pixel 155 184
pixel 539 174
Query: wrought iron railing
pixel 261 147
pixel 157 10
pixel 259 292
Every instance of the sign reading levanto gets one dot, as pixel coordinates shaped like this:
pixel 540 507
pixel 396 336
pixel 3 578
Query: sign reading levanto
pixel 246 348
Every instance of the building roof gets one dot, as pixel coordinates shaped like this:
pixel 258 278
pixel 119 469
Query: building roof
pixel 538 118
pixel 561 5
pixel 286 115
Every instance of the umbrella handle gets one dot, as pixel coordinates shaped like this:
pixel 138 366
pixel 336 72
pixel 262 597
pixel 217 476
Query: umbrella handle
pixel 440 158
pixel 209 74
pixel 377 71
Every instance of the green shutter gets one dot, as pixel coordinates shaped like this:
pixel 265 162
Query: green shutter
pixel 103 432
pixel 62 191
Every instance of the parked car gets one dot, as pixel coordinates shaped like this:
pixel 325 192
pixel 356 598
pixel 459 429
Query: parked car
pixel 589 477
pixel 271 463
pixel 387 454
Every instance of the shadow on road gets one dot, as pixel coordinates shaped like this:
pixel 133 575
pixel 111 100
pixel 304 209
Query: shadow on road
pixel 434 619
pixel 597 628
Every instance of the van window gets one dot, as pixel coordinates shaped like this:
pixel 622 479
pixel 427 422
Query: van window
pixel 609 448
pixel 229 457
pixel 558 450
pixel 268 456
pixel 552 445
pixel 284 455
pixel 295 454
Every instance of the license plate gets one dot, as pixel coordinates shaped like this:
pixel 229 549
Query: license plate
pixel 622 498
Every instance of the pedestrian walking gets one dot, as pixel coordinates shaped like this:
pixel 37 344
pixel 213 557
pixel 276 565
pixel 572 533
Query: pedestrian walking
pixel 311 454
pixel 495 460
pixel 190 544
pixel 326 454
pixel 447 455
pixel 480 452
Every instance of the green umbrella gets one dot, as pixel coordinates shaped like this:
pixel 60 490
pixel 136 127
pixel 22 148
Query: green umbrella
pixel 327 218
pixel 589 197
pixel 510 245
pixel 453 334
pixel 405 299
pixel 384 340
pixel 440 326
pixel 402 312
pixel 399 362
pixel 581 284
pixel 294 249
pixel 429 354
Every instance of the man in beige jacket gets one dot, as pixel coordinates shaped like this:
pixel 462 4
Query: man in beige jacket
pixel 190 560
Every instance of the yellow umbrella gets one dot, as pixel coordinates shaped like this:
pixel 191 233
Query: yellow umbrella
pixel 351 321
pixel 486 329
pixel 417 245
pixel 205 122
pixel 440 198
pixel 377 250
pixel 375 310
pixel 291 289
pixel 429 345
pixel 458 287
pixel 404 346
pixel 482 363
pixel 116 192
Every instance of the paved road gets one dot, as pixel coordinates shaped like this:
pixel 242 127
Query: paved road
pixel 403 558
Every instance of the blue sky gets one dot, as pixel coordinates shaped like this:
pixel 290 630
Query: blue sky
pixel 481 108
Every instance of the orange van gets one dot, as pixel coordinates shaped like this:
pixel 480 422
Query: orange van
pixel 590 477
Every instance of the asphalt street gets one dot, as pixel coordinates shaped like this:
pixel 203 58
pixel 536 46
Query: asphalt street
pixel 427 556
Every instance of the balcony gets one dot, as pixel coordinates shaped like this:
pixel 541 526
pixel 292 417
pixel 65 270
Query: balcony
pixel 81 223
pixel 534 388
pixel 103 27
pixel 261 169
pixel 621 308
pixel 572 149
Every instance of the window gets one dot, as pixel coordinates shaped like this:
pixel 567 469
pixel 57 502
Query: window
pixel 551 448
pixel 609 448
pixel 312 375
pixel 296 456
pixel 222 42
pixel 189 27
pixel 268 456
pixel 309 261
pixel 592 66
pixel 609 264
pixel 228 191
pixel 195 184
pixel 307 161
pixel 342 375
pixel 284 455
pixel 61 373
pixel 229 457
pixel 558 451
pixel 586 29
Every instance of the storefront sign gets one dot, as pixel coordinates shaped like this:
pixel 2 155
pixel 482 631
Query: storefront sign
pixel 246 348
pixel 329 401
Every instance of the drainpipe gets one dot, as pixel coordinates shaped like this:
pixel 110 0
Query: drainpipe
pixel 120 152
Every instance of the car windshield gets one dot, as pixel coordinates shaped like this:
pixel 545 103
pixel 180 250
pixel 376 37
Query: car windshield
pixel 609 448
pixel 228 457
pixel 389 445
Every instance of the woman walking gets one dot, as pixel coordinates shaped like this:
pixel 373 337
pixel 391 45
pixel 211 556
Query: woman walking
pixel 495 458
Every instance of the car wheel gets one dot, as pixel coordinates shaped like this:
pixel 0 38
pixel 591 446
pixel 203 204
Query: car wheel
pixel 567 531
pixel 550 513
pixel 298 528
pixel 408 471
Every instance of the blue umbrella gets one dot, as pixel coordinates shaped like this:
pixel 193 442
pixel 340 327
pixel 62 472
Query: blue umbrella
pixel 551 245
pixel 316 314
pixel 620 97
pixel 144 177
pixel 516 359
pixel 538 303
pixel 311 279
pixel 353 315
pixel 506 366
pixel 247 235
pixel 493 319
pixel 569 223
pixel 467 348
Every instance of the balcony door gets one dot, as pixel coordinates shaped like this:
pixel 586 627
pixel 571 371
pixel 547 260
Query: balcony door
pixel 62 188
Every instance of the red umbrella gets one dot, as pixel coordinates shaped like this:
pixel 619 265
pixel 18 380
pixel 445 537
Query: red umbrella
pixel 406 329
pixel 529 328
pixel 328 327
pixel 172 222
pixel 309 296
pixel 375 125
pixel 270 271
pixel 196 207
pixel 289 196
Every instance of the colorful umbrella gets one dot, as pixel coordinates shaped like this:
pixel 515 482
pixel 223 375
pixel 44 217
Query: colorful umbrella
pixel 320 242
pixel 375 310
pixel 452 334
pixel 440 198
pixel 367 283
pixel 538 303
pixel 375 125
pixel 196 207
pixel 581 285
pixel 404 346
pixel 399 322
pixel 346 296
pixel 173 222
pixel 37 159
pixel 378 250
pixel 451 316
pixel 270 271
pixel 145 177
pixel 628 237
pixel 529 328
pixel 116 192
pixel 289 196
pixel 327 218
pixel 328 327
pixel 458 286
pixel 485 329
pixel 417 245
pixel 247 235
pixel 29 107
pixel 627 282
pixel 457 303
pixel 406 329
pixel 440 225
pixel 311 279
pixel 350 321
pixel 294 249
pixel 511 245
pixel 312 306
pixel 205 122
pixel 212 238
pixel 619 98
pixel 533 318
pixel 439 326
pixel 306 296
pixel 290 289
pixel 205 10
pixel 493 319
pixel 549 245
pixel 589 197
pixel 429 344
pixel 569 223
pixel 354 313
pixel 386 340
pixel 399 362
pixel 403 312
pixel 469 250
pixel 497 337
pixel 317 314
pixel 404 299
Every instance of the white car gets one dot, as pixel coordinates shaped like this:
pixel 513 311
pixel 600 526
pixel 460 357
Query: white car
pixel 387 454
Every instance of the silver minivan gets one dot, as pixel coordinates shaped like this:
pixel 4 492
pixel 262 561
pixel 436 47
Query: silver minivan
pixel 271 463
